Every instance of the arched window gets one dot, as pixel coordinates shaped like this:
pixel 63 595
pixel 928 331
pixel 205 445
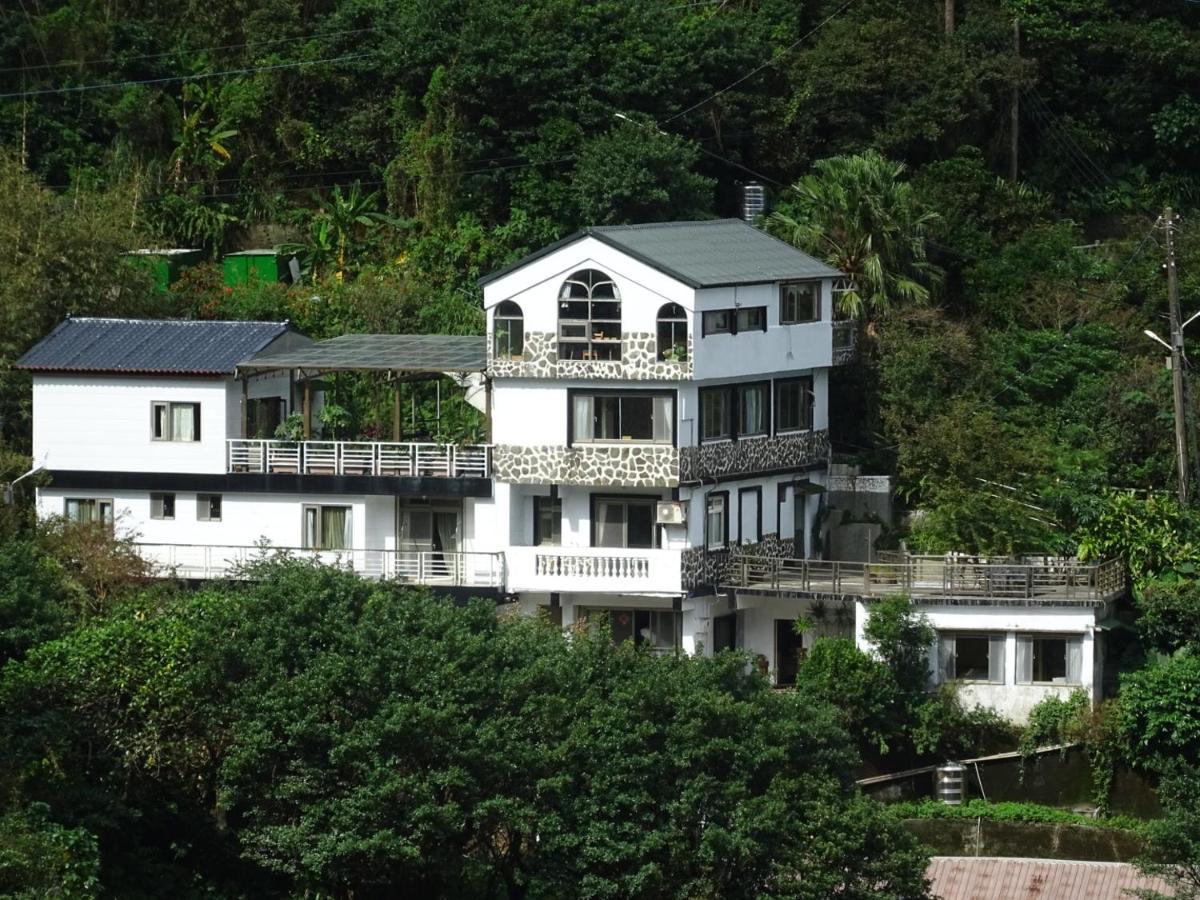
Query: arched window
pixel 510 331
pixel 672 333
pixel 589 317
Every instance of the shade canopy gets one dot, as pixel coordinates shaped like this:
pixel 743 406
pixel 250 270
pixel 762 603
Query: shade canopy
pixel 396 353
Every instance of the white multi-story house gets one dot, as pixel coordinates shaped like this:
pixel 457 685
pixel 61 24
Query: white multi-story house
pixel 658 454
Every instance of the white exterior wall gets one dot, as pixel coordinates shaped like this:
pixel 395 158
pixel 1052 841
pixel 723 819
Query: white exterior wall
pixel 103 423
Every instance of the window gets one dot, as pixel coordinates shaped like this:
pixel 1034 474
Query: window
pixel 175 421
pixel 510 331
pixel 589 317
pixel 753 409
pixel 971 657
pixel 672 333
pixel 749 515
pixel 641 417
pixel 716 414
pixel 547 521
pixel 1049 659
pixel 799 301
pixel 734 411
pixel 263 415
pixel 731 321
pixel 842 288
pixel 625 522
pixel 716 520
pixel 208 507
pixel 658 629
pixel 162 506
pixel 793 404
pixel 326 527
pixel 88 510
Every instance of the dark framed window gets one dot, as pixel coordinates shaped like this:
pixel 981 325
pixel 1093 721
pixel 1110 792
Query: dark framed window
pixel 793 404
pixel 1049 659
pixel 660 630
pixel 672 333
pixel 326 527
pixel 716 520
pixel 509 331
pixel 754 409
pixel 162 506
pixel 716 413
pixel 645 417
pixel 732 321
pixel 88 509
pixel 624 522
pixel 966 656
pixel 208 507
pixel 547 521
pixel 589 317
pixel 799 301
pixel 263 415
pixel 174 421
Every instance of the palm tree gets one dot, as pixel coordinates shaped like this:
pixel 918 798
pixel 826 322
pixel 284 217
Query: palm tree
pixel 859 215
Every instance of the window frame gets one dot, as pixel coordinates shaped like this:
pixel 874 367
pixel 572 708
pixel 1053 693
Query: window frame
pixel 589 341
pixel 672 322
pixel 808 410
pixel 721 390
pixel 98 503
pixel 593 393
pixel 586 614
pixel 734 320
pixel 734 405
pixel 506 320
pixel 540 502
pixel 784 287
pixel 204 507
pixel 738 407
pixel 709 543
pixel 162 502
pixel 742 492
pixel 319 528
pixel 991 638
pixel 1032 639
pixel 651 500
pixel 168 406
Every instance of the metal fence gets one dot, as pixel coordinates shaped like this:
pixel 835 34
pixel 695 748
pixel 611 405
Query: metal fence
pixel 358 458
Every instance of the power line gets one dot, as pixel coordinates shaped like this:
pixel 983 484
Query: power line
pixel 16 95
pixel 1066 134
pixel 770 62
pixel 70 63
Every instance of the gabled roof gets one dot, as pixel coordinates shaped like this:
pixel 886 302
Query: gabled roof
pixel 150 346
pixel 714 253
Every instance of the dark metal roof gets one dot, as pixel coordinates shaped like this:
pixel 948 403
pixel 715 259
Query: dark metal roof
pixel 149 346
pixel 383 353
pixel 714 253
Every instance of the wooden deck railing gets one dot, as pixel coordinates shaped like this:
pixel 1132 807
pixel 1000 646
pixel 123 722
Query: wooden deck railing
pixel 358 458
pixel 932 578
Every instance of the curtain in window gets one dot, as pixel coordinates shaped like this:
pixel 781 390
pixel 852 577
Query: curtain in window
pixel 1024 660
pixel 610 529
pixel 182 422
pixel 996 652
pixel 753 421
pixel 583 418
pixel 946 649
pixel 310 527
pixel 1075 660
pixel 81 510
pixel 662 420
pixel 335 528
pixel 446 524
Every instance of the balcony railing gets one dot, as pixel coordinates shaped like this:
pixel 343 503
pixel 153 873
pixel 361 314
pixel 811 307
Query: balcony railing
pixel 933 579
pixel 358 458
pixel 599 569
pixel 462 569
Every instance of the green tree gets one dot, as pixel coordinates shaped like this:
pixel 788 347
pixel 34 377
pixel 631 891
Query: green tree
pixel 861 216
pixel 1172 850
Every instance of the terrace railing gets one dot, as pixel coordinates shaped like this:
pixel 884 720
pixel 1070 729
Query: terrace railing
pixel 411 460
pixel 935 578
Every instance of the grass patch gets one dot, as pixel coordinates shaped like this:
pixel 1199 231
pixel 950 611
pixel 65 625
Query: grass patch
pixel 1010 812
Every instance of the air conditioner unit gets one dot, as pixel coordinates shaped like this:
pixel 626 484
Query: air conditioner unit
pixel 671 512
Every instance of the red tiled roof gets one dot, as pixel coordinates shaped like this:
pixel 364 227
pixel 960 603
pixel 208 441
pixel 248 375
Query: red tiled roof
pixel 994 878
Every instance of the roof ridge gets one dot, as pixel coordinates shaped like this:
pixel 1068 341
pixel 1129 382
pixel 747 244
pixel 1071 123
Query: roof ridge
pixel 173 321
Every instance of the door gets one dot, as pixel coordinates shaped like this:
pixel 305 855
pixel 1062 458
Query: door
pixel 429 537
pixel 788 651
pixel 800 519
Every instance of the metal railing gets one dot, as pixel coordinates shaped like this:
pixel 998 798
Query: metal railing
pixel 358 458
pixel 845 334
pixel 427 567
pixel 632 568
pixel 934 578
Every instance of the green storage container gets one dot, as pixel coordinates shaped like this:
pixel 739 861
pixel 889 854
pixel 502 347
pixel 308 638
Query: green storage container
pixel 166 264
pixel 254 265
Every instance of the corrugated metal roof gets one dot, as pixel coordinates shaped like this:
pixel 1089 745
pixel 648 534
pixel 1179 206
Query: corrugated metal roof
pixel 713 253
pixel 149 346
pixel 995 878
pixel 382 352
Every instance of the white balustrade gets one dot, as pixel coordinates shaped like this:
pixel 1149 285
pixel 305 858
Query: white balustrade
pixel 389 459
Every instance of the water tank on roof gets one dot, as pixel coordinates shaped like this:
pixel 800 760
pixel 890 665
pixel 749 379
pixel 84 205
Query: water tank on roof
pixel 754 201
pixel 950 783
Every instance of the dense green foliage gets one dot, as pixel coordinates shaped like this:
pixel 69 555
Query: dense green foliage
pixel 1009 811
pixel 310 732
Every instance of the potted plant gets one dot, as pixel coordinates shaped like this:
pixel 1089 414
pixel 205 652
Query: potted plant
pixel 676 353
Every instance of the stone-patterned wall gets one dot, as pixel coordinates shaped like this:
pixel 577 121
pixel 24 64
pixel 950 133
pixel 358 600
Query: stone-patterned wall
pixel 705 567
pixel 633 466
pixel 639 361
pixel 781 452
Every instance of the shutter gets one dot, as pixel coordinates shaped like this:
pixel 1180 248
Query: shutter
pixel 196 422
pixel 996 653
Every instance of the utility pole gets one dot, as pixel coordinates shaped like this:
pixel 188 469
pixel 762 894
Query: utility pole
pixel 1015 110
pixel 1181 447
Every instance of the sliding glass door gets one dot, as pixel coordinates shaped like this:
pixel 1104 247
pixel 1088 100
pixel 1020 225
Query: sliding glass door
pixel 624 522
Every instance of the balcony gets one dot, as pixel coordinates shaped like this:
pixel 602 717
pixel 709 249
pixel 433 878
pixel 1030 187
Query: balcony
pixel 595 569
pixel 372 458
pixel 195 561
pixel 935 580
pixel 845 340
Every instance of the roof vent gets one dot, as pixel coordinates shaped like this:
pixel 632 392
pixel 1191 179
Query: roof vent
pixel 754 201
